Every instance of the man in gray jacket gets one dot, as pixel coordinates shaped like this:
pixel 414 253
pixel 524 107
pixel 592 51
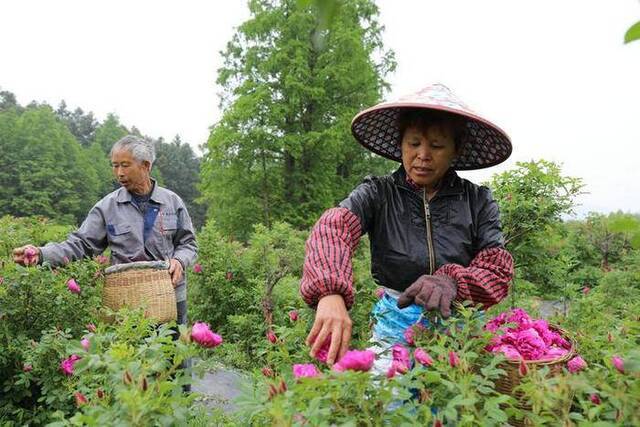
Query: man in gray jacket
pixel 140 221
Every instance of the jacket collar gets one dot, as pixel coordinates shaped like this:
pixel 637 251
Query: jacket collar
pixel 451 183
pixel 124 196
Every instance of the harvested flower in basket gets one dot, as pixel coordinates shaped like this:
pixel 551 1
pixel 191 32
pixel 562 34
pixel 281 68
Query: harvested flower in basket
pixel 519 337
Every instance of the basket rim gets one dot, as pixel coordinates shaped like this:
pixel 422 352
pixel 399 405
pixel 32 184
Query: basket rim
pixel 572 351
pixel 137 266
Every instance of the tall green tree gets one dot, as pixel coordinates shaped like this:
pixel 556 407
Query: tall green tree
pixel 8 101
pixel 82 125
pixel 601 240
pixel 50 173
pixel 109 132
pixel 533 197
pixel 283 149
pixel 180 170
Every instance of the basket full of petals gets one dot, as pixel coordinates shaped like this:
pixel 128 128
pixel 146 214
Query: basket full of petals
pixel 527 344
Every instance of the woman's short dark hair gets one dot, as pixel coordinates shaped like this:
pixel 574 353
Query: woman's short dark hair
pixel 421 118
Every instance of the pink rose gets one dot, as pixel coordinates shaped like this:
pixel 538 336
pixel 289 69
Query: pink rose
pixel 529 344
pixel 379 292
pixel 323 353
pixel 618 363
pixel 356 360
pixel 293 315
pixel 201 334
pixel 576 364
pixel 80 399
pixel 30 254
pixel 454 360
pixel 509 351
pixel 554 353
pixel 305 370
pixel 523 369
pixel 85 344
pixel 273 390
pixel 66 366
pixel 391 372
pixel 272 337
pixel 520 317
pixel 73 287
pixel 397 367
pixel 422 357
pixel 542 328
pixel 495 323
pixel 409 335
pixel 197 268
pixel 595 399
pixel 400 353
pixel 101 259
pixel 561 342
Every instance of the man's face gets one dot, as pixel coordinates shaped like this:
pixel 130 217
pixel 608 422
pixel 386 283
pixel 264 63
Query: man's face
pixel 130 173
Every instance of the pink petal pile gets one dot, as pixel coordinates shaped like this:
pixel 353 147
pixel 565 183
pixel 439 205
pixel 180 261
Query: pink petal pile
pixel 519 337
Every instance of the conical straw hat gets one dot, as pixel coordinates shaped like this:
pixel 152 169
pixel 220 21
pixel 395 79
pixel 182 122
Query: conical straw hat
pixel 484 144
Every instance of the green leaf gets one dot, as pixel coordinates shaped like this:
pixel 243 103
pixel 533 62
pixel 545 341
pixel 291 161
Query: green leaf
pixel 633 33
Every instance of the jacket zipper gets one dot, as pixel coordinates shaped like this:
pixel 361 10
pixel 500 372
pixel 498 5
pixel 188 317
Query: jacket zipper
pixel 427 218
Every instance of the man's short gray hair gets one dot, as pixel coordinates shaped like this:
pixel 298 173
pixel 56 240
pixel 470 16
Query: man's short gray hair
pixel 141 149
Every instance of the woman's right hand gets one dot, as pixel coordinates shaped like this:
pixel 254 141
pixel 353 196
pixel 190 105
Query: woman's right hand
pixel 26 255
pixel 332 320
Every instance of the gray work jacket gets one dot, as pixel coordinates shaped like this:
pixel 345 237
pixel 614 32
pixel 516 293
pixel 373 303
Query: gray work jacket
pixel 116 222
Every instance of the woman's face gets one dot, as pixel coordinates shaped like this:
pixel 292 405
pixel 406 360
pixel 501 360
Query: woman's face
pixel 428 153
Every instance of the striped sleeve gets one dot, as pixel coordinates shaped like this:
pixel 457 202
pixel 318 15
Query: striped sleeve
pixel 327 265
pixel 486 280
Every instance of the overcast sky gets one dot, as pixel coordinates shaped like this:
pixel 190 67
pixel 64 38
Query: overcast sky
pixel 554 74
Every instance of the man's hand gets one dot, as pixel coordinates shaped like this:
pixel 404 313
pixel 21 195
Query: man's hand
pixel 332 319
pixel 26 255
pixel 175 270
pixel 431 292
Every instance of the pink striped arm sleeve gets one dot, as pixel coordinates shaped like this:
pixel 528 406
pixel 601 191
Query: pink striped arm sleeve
pixel 327 265
pixel 486 280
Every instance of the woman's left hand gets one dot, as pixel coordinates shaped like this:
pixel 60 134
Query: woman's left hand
pixel 175 270
pixel 431 292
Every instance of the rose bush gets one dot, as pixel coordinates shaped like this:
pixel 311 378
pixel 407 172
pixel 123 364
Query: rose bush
pixel 59 365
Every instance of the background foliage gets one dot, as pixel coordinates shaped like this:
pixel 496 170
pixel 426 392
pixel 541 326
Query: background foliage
pixel 283 150
pixel 294 75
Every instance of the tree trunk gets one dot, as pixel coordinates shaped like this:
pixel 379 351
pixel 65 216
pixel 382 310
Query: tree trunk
pixel 267 300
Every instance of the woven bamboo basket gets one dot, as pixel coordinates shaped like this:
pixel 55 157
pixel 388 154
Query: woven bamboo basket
pixel 141 284
pixel 511 379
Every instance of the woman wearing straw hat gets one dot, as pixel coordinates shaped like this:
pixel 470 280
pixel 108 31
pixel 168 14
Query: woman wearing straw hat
pixel 435 237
